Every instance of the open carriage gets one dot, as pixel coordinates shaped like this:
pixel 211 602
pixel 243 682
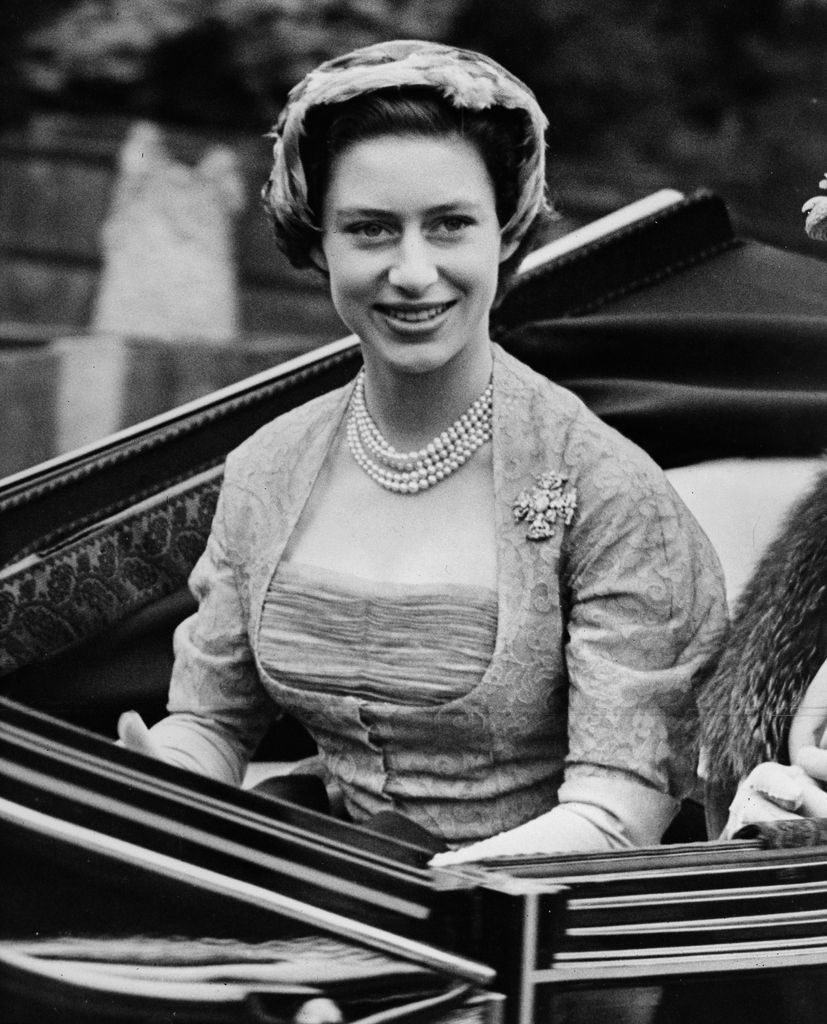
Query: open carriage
pixel 135 891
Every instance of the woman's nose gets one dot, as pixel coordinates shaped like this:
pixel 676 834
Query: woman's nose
pixel 414 269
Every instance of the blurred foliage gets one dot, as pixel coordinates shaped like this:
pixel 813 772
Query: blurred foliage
pixel 214 62
pixel 727 94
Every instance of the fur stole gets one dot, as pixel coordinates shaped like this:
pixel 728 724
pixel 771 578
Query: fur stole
pixel 777 642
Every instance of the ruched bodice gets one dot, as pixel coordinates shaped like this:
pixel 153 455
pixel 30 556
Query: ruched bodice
pixel 416 645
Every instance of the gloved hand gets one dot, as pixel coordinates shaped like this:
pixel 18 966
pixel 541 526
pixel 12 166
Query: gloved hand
pixel 134 735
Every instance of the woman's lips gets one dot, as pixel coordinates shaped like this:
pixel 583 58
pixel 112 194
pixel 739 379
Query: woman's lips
pixel 414 314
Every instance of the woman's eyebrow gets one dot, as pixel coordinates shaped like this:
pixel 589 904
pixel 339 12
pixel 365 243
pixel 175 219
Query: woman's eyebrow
pixel 361 211
pixel 455 206
pixel 452 206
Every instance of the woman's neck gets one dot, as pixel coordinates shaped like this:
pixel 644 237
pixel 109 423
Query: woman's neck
pixel 411 409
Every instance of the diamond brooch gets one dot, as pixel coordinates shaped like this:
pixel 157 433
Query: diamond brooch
pixel 543 505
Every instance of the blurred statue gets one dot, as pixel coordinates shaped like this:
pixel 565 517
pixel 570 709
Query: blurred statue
pixel 168 260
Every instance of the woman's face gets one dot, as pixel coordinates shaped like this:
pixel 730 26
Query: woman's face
pixel 411 242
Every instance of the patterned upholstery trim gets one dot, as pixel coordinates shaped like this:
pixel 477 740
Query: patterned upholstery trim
pixel 121 473
pixel 73 528
pixel 53 601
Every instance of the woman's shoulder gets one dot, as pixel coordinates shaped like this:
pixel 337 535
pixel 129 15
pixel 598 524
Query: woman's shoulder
pixel 287 434
pixel 584 438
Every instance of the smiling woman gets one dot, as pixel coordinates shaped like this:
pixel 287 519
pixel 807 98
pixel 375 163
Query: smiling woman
pixel 411 242
pixel 488 608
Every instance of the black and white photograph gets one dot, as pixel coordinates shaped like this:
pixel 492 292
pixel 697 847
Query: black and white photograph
pixel 413 512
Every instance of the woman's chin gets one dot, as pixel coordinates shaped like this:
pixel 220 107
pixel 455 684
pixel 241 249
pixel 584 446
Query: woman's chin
pixel 418 351
pixel 408 348
pixel 420 357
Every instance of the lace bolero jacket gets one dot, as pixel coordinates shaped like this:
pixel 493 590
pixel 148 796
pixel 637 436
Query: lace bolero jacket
pixel 604 627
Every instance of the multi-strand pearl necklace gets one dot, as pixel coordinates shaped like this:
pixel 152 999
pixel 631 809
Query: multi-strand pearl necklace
pixel 412 472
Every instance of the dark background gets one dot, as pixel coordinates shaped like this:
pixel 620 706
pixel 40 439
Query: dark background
pixel 726 94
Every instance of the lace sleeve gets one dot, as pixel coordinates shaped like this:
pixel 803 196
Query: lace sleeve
pixel 218 708
pixel 647 614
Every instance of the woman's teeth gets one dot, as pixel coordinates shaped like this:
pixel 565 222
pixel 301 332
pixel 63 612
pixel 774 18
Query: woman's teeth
pixel 413 316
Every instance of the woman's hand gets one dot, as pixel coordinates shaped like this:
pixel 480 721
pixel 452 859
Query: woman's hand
pixel 134 735
pixel 808 732
pixel 775 792
pixel 772 792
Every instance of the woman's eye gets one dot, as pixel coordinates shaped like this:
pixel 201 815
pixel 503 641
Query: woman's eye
pixel 368 230
pixel 452 225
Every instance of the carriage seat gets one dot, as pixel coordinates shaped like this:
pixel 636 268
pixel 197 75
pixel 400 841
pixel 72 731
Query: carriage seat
pixel 741 504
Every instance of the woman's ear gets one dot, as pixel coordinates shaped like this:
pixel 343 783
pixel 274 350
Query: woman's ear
pixel 318 258
pixel 508 248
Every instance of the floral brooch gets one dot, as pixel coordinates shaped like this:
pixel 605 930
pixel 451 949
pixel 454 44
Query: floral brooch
pixel 544 504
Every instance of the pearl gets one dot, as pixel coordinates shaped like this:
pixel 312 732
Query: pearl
pixel 412 472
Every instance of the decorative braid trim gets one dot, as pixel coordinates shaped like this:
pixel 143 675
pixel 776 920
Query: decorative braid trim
pixel 51 602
